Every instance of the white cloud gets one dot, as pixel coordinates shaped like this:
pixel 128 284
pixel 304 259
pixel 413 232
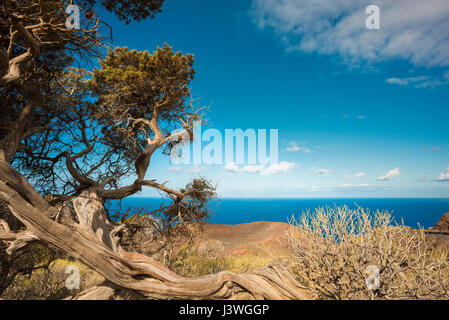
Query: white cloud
pixel 406 81
pixel 355 175
pixel 421 81
pixel 444 175
pixel 282 167
pixel 253 168
pixel 231 167
pixel 413 30
pixel 396 172
pixel 347 185
pixel 174 169
pixel 294 147
pixel 323 172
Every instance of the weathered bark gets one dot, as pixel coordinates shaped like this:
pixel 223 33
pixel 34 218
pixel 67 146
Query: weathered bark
pixel 19 183
pixel 96 293
pixel 93 243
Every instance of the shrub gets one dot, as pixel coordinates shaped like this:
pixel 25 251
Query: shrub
pixel 341 253
pixel 51 283
pixel 211 249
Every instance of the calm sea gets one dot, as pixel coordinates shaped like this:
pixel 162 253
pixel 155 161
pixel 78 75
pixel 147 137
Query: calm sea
pixel 426 212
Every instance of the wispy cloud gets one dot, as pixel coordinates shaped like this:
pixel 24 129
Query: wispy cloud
pixel 174 169
pixel 277 168
pixel 396 172
pixel 321 171
pixel 406 81
pixel 359 117
pixel 348 185
pixel 444 175
pixel 353 176
pixel 294 147
pixel 412 30
pixel 282 167
pixel 421 81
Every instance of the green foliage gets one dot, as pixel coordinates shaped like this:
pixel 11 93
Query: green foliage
pixel 127 10
pixel 66 129
pixel 134 87
pixel 144 79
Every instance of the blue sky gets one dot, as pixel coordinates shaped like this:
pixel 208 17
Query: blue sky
pixel 360 113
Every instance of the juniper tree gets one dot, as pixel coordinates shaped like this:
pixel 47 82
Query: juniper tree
pixel 73 140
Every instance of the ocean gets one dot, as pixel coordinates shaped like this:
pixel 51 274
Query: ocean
pixel 425 212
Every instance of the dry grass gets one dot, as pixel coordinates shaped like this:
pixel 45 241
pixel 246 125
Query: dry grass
pixel 337 249
pixel 209 257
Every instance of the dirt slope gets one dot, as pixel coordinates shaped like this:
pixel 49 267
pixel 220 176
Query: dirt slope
pixel 265 238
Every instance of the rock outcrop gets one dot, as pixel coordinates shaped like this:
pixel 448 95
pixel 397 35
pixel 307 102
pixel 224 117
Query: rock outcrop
pixel 442 225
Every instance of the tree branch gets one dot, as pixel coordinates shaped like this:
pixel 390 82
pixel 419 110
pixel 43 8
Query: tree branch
pixel 136 187
pixel 17 239
pixel 142 274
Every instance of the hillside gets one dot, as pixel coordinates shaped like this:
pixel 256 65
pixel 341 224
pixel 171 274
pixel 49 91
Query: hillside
pixel 262 238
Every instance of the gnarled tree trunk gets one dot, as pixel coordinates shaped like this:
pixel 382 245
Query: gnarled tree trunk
pixel 34 35
pixel 92 241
